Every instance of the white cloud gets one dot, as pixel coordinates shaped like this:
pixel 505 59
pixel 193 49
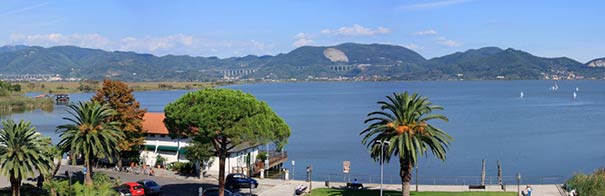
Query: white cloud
pixel 54 39
pixel 152 44
pixel 302 40
pixel 434 4
pixel 426 32
pixel 412 46
pixel 449 43
pixel 356 30
pixel 178 44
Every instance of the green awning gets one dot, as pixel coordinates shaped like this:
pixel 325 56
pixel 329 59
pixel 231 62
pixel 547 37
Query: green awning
pixel 165 148
pixel 149 147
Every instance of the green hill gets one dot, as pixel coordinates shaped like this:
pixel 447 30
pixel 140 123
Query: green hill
pixel 359 61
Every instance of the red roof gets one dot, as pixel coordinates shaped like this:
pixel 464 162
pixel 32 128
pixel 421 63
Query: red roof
pixel 154 123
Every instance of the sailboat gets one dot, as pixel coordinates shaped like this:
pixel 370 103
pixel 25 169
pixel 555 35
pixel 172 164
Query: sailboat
pixel 521 94
pixel 554 87
pixel 574 95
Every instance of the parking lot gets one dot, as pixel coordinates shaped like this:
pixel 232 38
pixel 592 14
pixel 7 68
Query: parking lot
pixel 171 183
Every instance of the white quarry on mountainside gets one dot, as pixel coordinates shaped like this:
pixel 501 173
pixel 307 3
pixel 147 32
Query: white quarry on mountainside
pixel 597 63
pixel 335 55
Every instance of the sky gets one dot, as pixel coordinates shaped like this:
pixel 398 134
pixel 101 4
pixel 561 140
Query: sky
pixel 547 28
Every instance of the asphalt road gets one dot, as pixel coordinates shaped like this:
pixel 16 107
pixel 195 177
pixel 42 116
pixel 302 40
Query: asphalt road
pixel 172 184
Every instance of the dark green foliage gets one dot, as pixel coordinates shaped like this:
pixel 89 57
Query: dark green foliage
pixel 183 167
pixel 262 156
pixel 199 151
pixel 90 134
pixel 226 119
pixel 403 123
pixel 22 151
pixel 588 184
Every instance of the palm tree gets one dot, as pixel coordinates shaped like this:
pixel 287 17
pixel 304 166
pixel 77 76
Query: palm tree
pixel 90 134
pixel 403 122
pixel 22 151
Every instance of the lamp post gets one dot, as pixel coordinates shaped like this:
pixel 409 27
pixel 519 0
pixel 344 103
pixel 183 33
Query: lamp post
pixel 309 171
pixel 382 143
pixel 293 170
pixel 518 183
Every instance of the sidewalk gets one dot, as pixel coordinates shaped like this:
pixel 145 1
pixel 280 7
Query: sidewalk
pixel 282 187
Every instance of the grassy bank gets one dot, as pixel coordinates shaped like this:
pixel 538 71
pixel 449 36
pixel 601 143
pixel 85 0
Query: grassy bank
pixel 349 192
pixel 90 86
pixel 16 104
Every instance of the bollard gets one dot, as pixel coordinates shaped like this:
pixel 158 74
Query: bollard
pixel 287 175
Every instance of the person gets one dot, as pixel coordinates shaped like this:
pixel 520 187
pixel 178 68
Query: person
pixel 355 181
pixel 151 172
pixel 84 170
pixel 40 180
pixel 529 190
pixel 573 192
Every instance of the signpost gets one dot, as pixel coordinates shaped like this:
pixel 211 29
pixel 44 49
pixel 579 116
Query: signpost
pixel 346 169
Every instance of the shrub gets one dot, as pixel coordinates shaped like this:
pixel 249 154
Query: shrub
pixel 102 178
pixel 160 160
pixel 262 156
pixel 588 184
pixel 183 167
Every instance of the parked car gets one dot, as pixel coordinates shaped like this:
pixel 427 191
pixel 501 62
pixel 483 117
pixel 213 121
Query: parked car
pixel 135 188
pixel 151 187
pixel 214 192
pixel 240 180
pixel 122 191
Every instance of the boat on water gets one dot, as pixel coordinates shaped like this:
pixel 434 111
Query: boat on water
pixel 521 94
pixel 574 95
pixel 62 99
pixel 554 87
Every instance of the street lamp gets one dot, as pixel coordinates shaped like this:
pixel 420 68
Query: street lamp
pixel 309 171
pixel 382 143
pixel 518 183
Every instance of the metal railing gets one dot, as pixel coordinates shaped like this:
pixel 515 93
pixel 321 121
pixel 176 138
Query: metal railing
pixel 433 180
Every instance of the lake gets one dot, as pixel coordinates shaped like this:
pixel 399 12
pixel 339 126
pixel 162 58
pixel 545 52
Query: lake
pixel 545 133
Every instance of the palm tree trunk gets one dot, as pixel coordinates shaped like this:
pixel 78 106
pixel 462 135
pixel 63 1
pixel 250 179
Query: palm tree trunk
pixel 15 185
pixel 119 163
pixel 406 176
pixel 57 168
pixel 87 176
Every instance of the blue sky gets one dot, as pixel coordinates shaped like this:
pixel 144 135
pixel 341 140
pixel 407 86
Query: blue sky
pixel 235 28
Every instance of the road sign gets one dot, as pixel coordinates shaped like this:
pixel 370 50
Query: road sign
pixel 346 167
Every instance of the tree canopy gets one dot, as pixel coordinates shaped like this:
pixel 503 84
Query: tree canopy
pixel 22 152
pixel 119 97
pixel 227 118
pixel 214 113
pixel 89 133
pixel 402 127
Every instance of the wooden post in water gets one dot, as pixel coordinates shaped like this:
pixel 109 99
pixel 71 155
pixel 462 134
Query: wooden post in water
pixel 483 173
pixel 499 173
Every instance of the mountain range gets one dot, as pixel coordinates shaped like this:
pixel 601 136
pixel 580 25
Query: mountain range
pixel 347 60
